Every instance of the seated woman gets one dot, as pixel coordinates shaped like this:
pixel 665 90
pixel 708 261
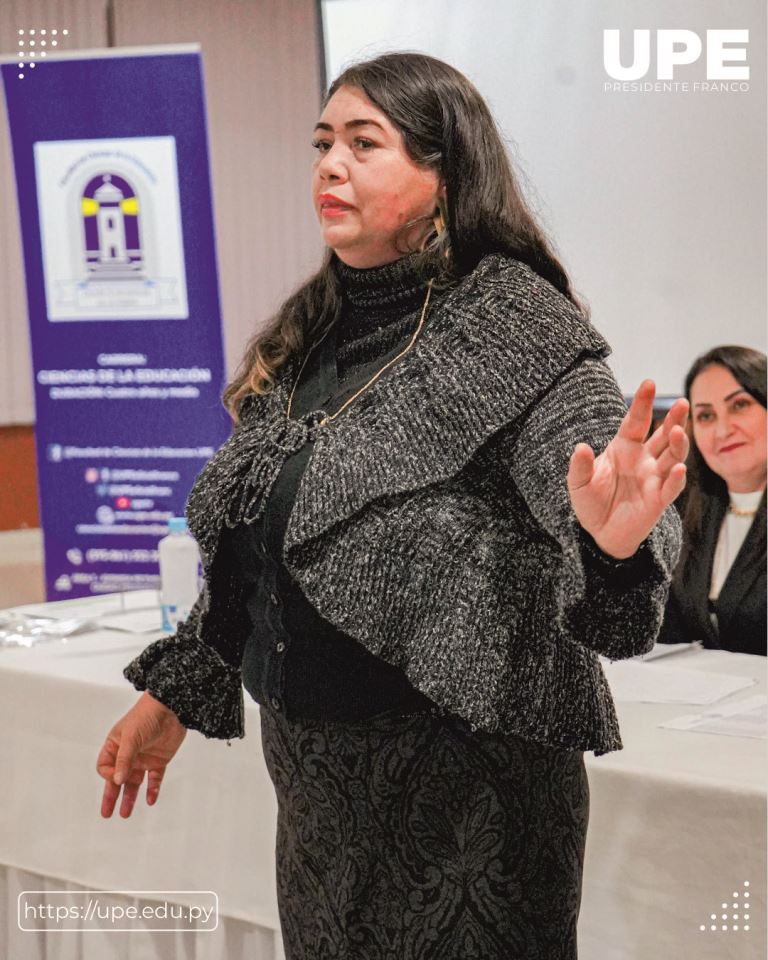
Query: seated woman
pixel 718 594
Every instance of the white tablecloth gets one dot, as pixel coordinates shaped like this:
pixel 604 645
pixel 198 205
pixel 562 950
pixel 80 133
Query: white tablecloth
pixel 677 821
pixel 213 827
pixel 677 824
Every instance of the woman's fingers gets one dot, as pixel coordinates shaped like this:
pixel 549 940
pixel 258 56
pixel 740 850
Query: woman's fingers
pixel 679 443
pixel 638 419
pixel 126 754
pixel 673 485
pixel 143 741
pixel 116 764
pixel 105 767
pixel 109 798
pixel 677 416
pixel 676 451
pixel 154 779
pixel 131 792
pixel 581 467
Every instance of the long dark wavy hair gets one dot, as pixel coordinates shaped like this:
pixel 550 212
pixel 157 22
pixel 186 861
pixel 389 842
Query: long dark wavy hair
pixel 446 126
pixel 748 367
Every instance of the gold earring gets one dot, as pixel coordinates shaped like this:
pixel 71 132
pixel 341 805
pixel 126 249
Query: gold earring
pixel 440 220
pixel 441 215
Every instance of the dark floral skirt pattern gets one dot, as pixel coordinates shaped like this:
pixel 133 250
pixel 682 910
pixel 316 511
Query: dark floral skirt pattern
pixel 415 838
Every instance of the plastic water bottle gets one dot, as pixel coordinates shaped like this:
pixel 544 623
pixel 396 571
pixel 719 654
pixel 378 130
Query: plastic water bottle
pixel 179 585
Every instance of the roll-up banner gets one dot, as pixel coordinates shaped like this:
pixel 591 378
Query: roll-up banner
pixel 114 196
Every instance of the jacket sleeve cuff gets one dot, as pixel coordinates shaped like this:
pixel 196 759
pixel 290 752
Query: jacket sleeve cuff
pixel 616 606
pixel 617 574
pixel 190 678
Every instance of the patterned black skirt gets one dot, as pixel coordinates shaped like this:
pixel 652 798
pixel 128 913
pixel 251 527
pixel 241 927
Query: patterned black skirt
pixel 415 838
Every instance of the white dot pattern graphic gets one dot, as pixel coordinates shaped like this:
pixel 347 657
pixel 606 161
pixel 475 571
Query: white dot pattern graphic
pixel 736 916
pixel 42 33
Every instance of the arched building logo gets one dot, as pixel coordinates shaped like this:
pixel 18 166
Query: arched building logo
pixel 111 229
pixel 110 210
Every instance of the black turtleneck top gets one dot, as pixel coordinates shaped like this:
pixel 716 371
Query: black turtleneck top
pixel 302 665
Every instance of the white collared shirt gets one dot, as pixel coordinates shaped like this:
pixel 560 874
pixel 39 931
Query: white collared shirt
pixel 733 533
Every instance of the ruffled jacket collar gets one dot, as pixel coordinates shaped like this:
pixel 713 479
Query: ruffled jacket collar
pixel 470 372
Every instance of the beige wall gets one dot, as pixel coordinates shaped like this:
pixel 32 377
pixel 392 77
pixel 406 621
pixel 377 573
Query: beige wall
pixel 261 61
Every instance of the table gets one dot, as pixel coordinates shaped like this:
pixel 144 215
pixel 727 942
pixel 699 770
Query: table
pixel 677 820
pixel 677 824
pixel 213 827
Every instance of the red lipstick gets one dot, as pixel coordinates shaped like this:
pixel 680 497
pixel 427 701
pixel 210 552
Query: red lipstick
pixel 329 200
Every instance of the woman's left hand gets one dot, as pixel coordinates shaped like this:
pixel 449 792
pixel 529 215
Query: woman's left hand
pixel 619 496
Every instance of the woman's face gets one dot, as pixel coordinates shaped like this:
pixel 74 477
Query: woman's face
pixel 365 187
pixel 729 428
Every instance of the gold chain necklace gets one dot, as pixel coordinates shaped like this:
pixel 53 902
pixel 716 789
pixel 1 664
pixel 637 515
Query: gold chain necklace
pixel 374 377
pixel 741 513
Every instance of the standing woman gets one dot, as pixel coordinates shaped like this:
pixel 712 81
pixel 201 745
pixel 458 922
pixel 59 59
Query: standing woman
pixel 718 594
pixel 433 514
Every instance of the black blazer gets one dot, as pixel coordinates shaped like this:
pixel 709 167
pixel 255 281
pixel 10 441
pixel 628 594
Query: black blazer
pixel 741 605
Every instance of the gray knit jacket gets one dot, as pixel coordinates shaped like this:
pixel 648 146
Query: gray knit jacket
pixel 433 524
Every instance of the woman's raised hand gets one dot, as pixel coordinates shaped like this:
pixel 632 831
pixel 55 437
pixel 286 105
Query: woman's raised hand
pixel 619 496
pixel 144 740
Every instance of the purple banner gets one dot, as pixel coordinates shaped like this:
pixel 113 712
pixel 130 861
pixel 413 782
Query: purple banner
pixel 113 180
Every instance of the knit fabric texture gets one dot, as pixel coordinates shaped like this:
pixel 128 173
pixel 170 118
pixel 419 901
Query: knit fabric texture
pixel 433 525
pixel 294 660
pixel 380 312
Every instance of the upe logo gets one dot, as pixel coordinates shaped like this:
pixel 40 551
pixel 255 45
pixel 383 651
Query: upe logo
pixel 677 48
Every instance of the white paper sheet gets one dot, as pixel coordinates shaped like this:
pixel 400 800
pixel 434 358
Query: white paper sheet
pixel 665 649
pixel 745 718
pixel 134 621
pixel 92 608
pixel 632 681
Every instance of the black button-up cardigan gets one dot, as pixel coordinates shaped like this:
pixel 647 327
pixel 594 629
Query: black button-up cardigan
pixel 301 664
